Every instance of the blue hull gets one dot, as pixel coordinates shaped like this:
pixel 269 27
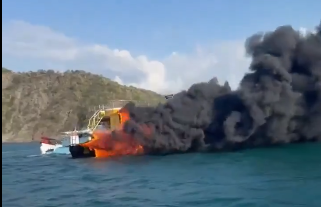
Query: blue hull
pixel 61 150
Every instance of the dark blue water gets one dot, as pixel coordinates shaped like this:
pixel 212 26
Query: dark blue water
pixel 278 177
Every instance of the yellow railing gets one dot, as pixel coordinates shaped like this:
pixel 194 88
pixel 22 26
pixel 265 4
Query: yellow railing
pixel 95 119
pixel 104 110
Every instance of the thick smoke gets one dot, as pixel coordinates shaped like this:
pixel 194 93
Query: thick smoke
pixel 277 102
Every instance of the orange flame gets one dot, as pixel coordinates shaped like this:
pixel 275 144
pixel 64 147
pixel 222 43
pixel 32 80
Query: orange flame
pixel 124 116
pixel 117 142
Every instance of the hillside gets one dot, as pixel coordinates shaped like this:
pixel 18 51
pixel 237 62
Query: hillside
pixel 49 102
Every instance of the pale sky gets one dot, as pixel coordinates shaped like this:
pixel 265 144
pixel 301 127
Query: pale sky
pixel 164 46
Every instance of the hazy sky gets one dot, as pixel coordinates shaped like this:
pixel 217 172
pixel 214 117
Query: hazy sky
pixel 164 45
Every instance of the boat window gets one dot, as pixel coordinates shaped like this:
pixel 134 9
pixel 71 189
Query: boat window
pixel 108 123
pixel 104 124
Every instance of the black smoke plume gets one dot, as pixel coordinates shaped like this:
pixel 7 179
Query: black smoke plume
pixel 278 101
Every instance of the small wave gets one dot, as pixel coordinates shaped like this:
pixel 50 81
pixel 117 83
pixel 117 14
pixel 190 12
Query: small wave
pixel 15 151
pixel 8 152
pixel 30 156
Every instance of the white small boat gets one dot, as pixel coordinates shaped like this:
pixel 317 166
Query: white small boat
pixel 48 145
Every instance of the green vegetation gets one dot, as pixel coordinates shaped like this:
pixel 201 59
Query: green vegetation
pixel 49 102
pixel 5 70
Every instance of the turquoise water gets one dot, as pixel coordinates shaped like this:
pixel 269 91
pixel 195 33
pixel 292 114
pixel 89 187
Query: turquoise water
pixel 278 177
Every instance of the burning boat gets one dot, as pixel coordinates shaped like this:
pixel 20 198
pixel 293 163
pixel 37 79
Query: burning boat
pixel 107 119
pixel 108 137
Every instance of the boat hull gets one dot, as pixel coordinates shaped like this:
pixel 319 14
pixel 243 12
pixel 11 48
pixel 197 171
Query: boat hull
pixel 53 149
pixel 61 150
pixel 78 151
pixel 48 148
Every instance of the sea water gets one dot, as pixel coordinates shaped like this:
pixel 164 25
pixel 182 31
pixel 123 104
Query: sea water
pixel 274 177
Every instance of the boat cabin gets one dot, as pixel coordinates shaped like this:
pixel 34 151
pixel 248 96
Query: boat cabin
pixel 170 96
pixel 75 137
pixel 108 117
pixel 111 120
